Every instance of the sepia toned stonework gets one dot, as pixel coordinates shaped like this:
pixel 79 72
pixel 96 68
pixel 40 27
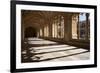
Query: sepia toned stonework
pixel 54 36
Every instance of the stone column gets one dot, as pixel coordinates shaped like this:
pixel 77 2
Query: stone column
pixel 67 27
pixel 86 25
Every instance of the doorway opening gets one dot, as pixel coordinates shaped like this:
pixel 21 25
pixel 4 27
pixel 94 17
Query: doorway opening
pixel 30 32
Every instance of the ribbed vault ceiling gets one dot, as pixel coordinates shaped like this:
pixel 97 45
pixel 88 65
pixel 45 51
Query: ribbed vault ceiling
pixel 37 18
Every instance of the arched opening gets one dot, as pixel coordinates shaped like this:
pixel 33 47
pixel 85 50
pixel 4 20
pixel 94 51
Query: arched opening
pixel 30 32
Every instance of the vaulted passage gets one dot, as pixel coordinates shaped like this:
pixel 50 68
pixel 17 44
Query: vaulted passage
pixel 54 36
pixel 30 32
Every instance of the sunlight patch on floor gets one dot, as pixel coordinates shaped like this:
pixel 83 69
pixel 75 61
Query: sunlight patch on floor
pixel 55 52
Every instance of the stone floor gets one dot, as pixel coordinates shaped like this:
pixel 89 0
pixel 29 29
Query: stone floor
pixel 45 50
